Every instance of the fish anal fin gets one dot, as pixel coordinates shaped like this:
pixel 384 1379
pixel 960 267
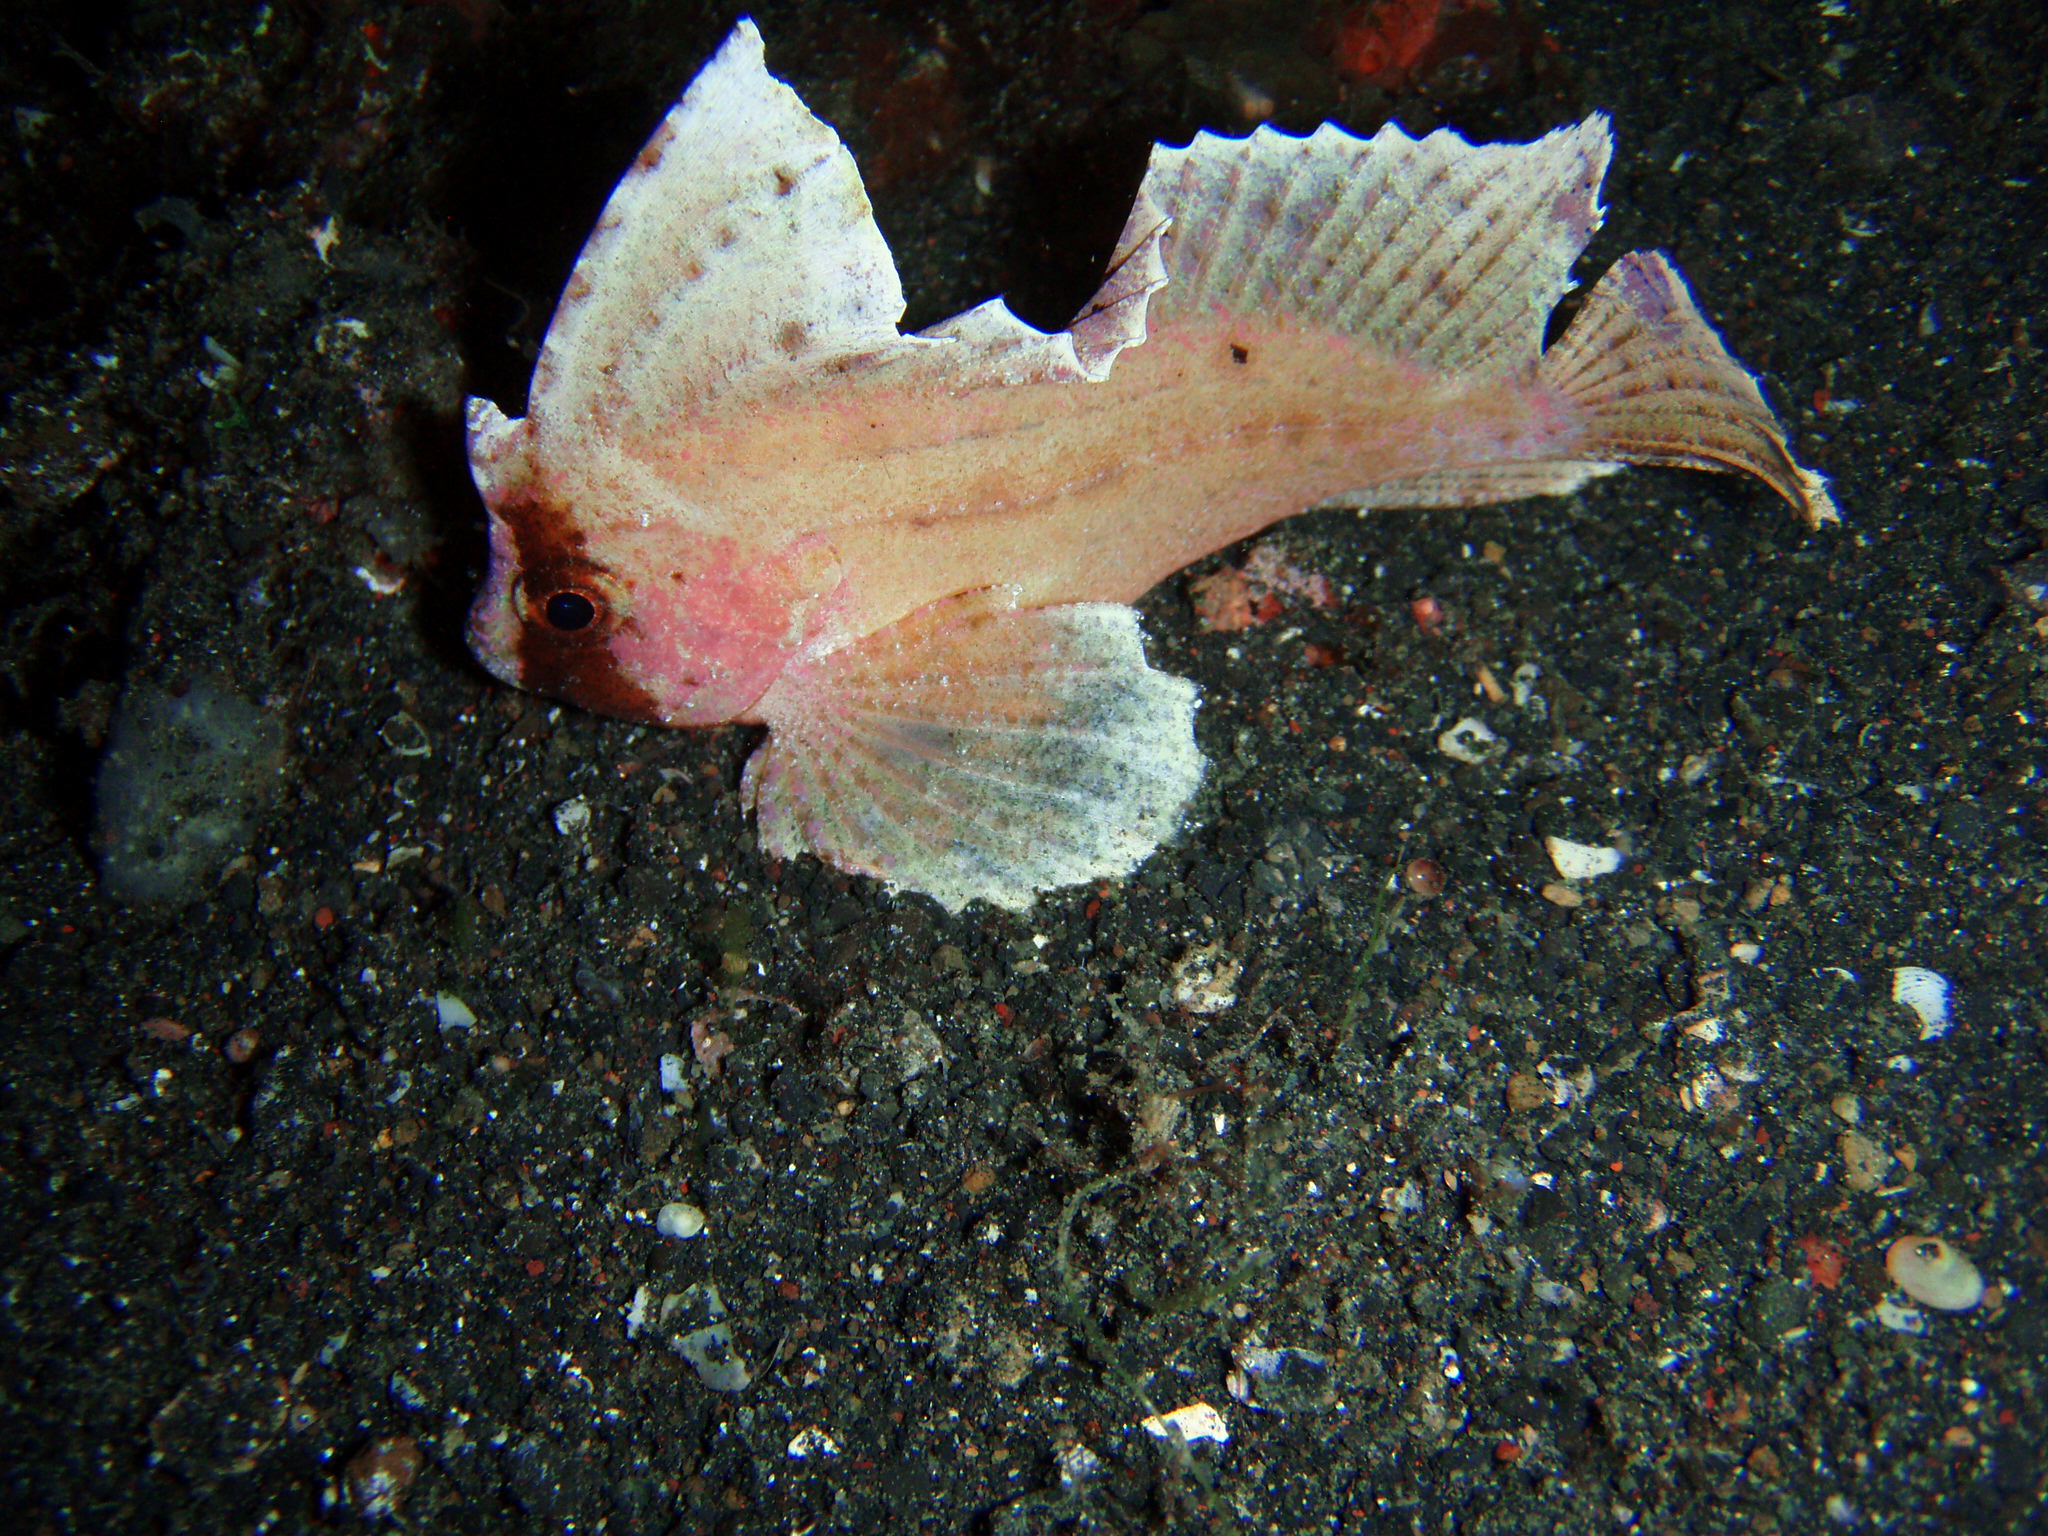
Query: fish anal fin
pixel 1654 385
pixel 976 752
pixel 1478 485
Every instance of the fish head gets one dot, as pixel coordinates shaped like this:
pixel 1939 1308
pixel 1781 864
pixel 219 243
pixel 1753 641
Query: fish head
pixel 632 615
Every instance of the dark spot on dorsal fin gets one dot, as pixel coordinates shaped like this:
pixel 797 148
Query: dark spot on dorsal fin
pixel 791 337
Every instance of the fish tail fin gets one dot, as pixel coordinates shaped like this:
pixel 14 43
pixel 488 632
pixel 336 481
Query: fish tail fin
pixel 1654 385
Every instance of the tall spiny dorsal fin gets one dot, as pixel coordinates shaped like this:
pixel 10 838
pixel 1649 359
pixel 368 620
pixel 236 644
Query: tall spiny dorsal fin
pixel 1438 252
pixel 738 252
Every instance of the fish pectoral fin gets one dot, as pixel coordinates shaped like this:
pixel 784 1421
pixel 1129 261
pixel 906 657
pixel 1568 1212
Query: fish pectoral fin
pixel 973 752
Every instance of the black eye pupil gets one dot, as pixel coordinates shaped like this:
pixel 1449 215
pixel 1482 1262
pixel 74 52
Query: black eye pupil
pixel 570 610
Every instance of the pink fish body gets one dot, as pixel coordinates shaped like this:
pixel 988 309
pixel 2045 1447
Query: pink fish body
pixel 741 493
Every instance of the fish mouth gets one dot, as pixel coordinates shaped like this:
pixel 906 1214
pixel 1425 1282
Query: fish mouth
pixel 491 631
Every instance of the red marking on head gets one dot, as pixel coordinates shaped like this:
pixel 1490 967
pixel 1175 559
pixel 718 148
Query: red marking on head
pixel 539 556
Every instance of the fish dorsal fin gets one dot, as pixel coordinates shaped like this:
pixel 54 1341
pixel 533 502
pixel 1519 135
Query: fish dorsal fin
pixel 976 752
pixel 738 252
pixel 991 345
pixel 1431 250
pixel 1118 314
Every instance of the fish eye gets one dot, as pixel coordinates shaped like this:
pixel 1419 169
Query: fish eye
pixel 571 606
pixel 569 611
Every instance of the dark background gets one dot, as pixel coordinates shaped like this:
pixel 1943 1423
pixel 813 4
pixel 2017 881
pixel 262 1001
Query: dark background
pixel 275 1244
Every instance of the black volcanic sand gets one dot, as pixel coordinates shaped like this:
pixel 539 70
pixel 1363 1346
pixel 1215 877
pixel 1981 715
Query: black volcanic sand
pixel 331 1158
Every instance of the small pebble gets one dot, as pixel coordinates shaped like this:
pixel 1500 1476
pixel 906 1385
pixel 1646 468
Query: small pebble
pixel 1424 878
pixel 380 1475
pixel 1205 979
pixel 979 1179
pixel 1934 1273
pixel 810 1442
pixel 1864 1163
pixel 1197 1421
pixel 1527 1091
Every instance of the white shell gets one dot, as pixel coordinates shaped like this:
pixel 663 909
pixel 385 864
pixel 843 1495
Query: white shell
pixel 572 817
pixel 679 1220
pixel 451 1012
pixel 812 1441
pixel 1197 1421
pixel 1926 993
pixel 1470 741
pixel 1582 861
pixel 1934 1273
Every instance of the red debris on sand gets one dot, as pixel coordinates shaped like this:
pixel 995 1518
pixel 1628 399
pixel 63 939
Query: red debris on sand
pixel 1399 45
pixel 908 97
pixel 710 1046
pixel 1229 598
pixel 1382 43
pixel 1825 1262
pixel 1222 600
